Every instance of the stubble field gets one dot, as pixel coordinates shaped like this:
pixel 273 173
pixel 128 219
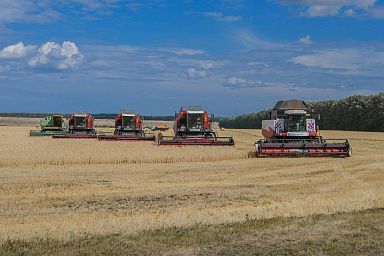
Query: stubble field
pixel 72 196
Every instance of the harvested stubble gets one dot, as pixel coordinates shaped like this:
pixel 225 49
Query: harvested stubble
pixel 93 196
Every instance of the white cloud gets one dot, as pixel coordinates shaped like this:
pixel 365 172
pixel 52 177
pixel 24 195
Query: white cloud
pixel 236 82
pixel 26 11
pixel 349 58
pixel 305 40
pixel 317 8
pixel 206 65
pixel 96 4
pixel 43 11
pixel 193 73
pixel 16 51
pixel 183 51
pixel 219 16
pixel 350 12
pixel 52 54
pixel 252 41
pixel 11 10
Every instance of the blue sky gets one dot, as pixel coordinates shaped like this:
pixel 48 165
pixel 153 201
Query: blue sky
pixel 230 56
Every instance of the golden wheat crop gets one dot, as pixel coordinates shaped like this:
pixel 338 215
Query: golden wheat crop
pixel 70 188
pixel 20 149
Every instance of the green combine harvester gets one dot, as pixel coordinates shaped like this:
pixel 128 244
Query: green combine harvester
pixel 50 125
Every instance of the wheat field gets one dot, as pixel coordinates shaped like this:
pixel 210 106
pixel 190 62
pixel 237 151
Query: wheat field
pixel 62 189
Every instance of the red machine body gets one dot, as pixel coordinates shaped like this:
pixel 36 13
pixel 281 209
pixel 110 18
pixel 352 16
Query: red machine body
pixel 129 127
pixel 193 126
pixel 128 123
pixel 80 122
pixel 193 121
pixel 80 126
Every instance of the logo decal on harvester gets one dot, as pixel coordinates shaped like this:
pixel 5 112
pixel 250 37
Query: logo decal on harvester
pixel 278 126
pixel 311 125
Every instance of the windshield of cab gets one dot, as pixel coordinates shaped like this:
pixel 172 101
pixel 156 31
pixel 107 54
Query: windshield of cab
pixel 296 123
pixel 80 121
pixel 57 120
pixel 128 122
pixel 195 121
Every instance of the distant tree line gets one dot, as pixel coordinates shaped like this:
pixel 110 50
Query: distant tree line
pixel 355 113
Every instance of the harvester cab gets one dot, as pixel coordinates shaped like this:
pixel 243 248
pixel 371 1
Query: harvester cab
pixel 290 119
pixel 50 125
pixel 129 122
pixel 80 126
pixel 193 126
pixel 291 130
pixel 193 122
pixel 128 126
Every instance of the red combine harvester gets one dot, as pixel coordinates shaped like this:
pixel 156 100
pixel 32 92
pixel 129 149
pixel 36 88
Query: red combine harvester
pixel 80 126
pixel 128 127
pixel 193 126
pixel 292 131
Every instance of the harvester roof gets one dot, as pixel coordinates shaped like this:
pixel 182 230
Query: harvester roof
pixel 291 105
pixel 128 112
pixel 191 108
pixel 79 113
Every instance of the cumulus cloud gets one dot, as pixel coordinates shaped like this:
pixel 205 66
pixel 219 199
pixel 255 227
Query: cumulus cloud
pixel 305 40
pixel 236 82
pixel 16 51
pixel 193 73
pixel 349 58
pixel 51 54
pixel 219 16
pixel 315 8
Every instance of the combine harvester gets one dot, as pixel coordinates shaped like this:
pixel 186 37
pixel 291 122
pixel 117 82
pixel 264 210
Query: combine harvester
pixel 292 131
pixel 193 126
pixel 50 125
pixel 80 126
pixel 128 127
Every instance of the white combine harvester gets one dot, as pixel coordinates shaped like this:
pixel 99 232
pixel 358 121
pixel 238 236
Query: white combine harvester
pixel 291 130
